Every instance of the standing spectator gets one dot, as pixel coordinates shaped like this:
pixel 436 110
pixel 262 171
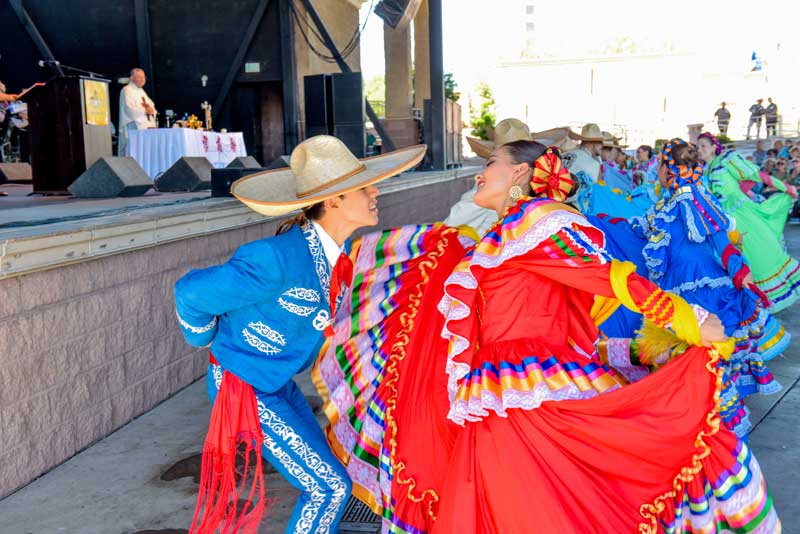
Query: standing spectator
pixel 723 119
pixel 756 114
pixel 772 117
pixel 759 154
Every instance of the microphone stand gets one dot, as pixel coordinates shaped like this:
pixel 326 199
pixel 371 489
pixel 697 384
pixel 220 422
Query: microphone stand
pixel 88 73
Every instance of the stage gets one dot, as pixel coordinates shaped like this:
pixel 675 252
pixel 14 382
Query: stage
pixel 39 232
pixel 87 318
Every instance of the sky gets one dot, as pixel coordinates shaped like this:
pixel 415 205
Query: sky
pixel 478 32
pixel 681 58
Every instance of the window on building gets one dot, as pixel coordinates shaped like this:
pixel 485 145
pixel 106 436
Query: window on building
pixel 529 27
pixel 529 9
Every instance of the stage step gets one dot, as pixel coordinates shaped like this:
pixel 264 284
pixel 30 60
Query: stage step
pixel 358 518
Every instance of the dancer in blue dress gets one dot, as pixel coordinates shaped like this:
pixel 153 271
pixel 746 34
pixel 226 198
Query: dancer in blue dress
pixel 689 252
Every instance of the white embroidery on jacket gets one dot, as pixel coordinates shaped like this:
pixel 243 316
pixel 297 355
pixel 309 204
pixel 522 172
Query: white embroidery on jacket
pixel 302 293
pixel 259 344
pixel 291 307
pixel 196 329
pixel 269 333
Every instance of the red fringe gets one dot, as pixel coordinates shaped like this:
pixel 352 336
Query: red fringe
pixel 234 430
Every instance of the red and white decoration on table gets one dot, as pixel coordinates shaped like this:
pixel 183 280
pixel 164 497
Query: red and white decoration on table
pixel 157 149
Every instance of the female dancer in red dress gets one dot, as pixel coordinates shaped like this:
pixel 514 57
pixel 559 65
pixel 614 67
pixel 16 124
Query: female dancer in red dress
pixel 468 396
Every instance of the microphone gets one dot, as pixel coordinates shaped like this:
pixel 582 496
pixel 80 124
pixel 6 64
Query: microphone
pixel 43 62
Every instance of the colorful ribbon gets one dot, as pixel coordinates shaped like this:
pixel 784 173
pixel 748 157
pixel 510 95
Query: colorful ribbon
pixel 550 178
pixel 679 175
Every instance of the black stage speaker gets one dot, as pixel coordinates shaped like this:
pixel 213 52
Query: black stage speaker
pixel 397 13
pixel 347 96
pixel 243 162
pixel 318 108
pixel 111 177
pixel 335 106
pixel 279 163
pixel 186 174
pixel 221 179
pixel 15 172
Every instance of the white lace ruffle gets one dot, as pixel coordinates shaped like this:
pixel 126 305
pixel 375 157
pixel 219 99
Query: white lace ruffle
pixel 455 310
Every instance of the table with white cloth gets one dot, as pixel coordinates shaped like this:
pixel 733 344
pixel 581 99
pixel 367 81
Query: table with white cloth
pixel 158 148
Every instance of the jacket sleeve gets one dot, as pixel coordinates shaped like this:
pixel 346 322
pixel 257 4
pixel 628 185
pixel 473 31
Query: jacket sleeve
pixel 253 274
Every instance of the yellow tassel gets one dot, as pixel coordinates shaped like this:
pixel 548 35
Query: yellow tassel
pixel 653 342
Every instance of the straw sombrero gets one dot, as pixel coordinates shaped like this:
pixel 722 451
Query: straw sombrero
pixel 320 168
pixel 589 133
pixel 506 131
pixel 510 130
pixel 609 141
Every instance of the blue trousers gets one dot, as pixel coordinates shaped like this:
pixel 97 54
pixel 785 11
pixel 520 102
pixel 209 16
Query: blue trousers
pixel 296 447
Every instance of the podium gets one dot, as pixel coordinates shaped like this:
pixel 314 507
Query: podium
pixel 70 129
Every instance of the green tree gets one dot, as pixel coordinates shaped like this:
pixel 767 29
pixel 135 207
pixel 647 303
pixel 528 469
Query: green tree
pixel 483 118
pixel 450 88
pixel 375 89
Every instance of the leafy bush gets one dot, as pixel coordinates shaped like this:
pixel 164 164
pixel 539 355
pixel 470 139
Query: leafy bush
pixel 483 118
pixel 450 88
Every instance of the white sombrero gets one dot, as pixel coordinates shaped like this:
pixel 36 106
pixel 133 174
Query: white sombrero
pixel 320 167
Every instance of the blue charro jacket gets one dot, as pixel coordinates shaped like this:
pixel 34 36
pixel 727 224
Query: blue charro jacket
pixel 264 310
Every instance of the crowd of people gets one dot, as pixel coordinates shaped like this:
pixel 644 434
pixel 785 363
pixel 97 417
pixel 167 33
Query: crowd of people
pixel 539 361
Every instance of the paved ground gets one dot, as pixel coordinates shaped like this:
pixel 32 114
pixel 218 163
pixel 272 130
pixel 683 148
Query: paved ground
pixel 118 485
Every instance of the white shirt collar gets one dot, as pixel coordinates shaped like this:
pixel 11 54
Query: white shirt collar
pixel 332 250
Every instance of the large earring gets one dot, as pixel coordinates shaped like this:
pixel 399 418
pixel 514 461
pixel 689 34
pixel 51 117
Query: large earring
pixel 515 193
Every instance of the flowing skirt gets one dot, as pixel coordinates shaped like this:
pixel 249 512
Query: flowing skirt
pixel 652 456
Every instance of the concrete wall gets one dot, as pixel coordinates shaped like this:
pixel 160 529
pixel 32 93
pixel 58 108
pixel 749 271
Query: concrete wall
pixel 87 347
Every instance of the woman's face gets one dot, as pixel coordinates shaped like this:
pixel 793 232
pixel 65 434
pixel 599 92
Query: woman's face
pixel 360 208
pixel 499 174
pixel 706 149
pixel 642 155
pixel 662 174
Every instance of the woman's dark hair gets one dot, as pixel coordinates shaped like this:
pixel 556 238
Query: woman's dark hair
pixel 523 151
pixel 686 155
pixel 648 149
pixel 311 213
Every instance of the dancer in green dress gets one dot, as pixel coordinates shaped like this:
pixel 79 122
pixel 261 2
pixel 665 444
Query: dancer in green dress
pixel 760 225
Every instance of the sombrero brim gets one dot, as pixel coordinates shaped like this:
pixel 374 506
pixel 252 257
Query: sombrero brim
pixel 554 136
pixel 482 148
pixel 579 137
pixel 274 193
pixel 558 137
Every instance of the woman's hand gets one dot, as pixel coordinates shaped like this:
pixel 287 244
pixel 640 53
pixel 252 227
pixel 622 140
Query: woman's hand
pixel 748 281
pixel 712 331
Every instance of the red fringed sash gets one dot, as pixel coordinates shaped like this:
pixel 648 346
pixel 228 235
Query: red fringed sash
pixel 234 431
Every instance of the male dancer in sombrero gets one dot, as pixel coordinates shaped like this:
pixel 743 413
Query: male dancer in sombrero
pixel 265 314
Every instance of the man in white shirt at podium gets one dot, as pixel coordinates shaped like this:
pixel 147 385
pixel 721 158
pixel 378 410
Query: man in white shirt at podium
pixel 136 110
